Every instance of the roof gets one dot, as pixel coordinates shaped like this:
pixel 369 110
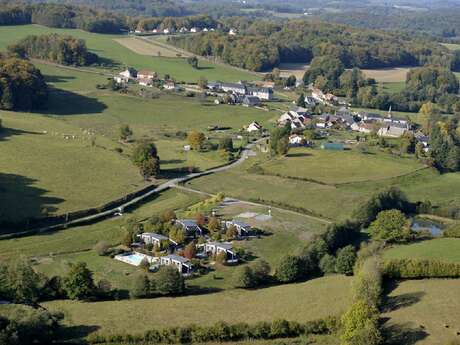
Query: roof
pixel 240 224
pixel 187 222
pixel 260 89
pixel 233 85
pixel 298 109
pixel 145 72
pixel 251 99
pixel 225 245
pixel 158 237
pixel 178 258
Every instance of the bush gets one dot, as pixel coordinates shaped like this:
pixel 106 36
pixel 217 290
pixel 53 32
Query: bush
pixel 243 277
pixel 261 272
pixel 367 285
pixel 142 287
pixel 289 269
pixel 346 258
pixel 418 269
pixel 452 231
pixel 360 325
pixel 327 264
pixel 102 248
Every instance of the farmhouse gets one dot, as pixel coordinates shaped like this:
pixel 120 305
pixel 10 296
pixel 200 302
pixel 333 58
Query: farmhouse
pixel 190 227
pixel 182 264
pixel 215 248
pixel 242 228
pixel 254 127
pixel 296 120
pixel 251 101
pixel 129 73
pixel 143 74
pixel 233 87
pixel 241 89
pixel 145 82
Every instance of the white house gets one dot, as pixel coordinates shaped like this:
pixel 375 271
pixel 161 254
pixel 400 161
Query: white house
pixel 393 130
pixel 146 82
pixel 253 127
pixel 205 30
pixel 143 74
pixel 182 264
pixel 296 140
pixel 242 228
pixel 129 73
pixel 154 31
pixel 265 93
pixel 215 248
pixel 169 85
pixel 232 32
pixel 183 30
pixel 194 30
pixel 153 238
pixel 166 31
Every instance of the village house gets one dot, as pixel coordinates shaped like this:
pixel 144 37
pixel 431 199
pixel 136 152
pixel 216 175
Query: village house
pixel 296 120
pixel 362 127
pixel 125 76
pixel 215 248
pixel 145 82
pixel 296 140
pixel 254 127
pixel 153 238
pixel 182 264
pixel 242 228
pixel 251 101
pixel 393 130
pixel 191 228
pixel 169 85
pixel 241 89
pixel 183 30
pixel 424 140
pixel 194 30
pixel 299 110
pixel 143 74
pixel 232 32
pixel 264 93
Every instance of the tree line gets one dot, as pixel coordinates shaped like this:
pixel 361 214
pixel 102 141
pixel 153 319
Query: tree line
pixel 65 50
pixel 176 23
pixel 264 44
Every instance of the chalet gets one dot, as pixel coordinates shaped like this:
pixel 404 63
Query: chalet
pixel 254 127
pixel 393 130
pixel 215 248
pixel 261 92
pixel 182 264
pixel 242 228
pixel 190 227
pixel 153 238
pixel 296 140
pixel 251 101
pixel 143 74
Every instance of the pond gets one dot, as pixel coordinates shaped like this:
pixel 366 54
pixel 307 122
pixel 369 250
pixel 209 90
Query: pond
pixel 422 224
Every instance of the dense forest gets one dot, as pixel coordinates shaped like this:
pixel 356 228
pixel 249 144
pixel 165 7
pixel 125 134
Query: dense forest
pixel 61 16
pixel 65 50
pixel 22 86
pixel 263 44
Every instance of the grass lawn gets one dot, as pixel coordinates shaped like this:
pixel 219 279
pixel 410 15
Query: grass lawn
pixel 333 167
pixel 424 312
pixel 444 249
pixel 106 47
pixel 393 87
pixel 83 238
pixel 300 302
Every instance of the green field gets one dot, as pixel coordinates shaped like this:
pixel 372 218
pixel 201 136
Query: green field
pixel 300 302
pixel 339 167
pixel 106 47
pixel 423 312
pixel 444 249
pixel 393 87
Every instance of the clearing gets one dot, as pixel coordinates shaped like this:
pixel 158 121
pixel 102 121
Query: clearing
pixel 423 312
pixel 444 249
pixel 298 302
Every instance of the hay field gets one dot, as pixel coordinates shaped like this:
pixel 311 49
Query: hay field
pixel 142 47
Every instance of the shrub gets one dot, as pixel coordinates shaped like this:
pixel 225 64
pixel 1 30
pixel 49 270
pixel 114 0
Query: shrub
pixel 452 231
pixel 391 226
pixel 418 268
pixel 367 285
pixel 346 258
pixel 360 325
pixel 261 272
pixel 289 269
pixel 327 264
pixel 142 287
pixel 102 248
pixel 243 277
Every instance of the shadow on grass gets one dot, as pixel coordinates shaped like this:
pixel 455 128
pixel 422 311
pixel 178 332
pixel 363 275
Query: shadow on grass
pixel 172 161
pixel 292 155
pixel 62 102
pixel 393 303
pixel 78 332
pixel 58 78
pixel 21 201
pixel 5 133
pixel 402 334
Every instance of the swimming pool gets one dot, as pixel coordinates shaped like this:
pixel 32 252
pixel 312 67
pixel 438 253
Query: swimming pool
pixel 135 259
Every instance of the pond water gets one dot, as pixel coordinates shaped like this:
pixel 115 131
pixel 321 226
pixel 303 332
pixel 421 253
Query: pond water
pixel 434 228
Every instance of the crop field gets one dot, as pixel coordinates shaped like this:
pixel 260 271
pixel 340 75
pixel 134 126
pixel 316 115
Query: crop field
pixel 444 249
pixel 339 167
pixel 387 75
pixel 296 69
pixel 299 302
pixel 142 47
pixel 114 53
pixel 424 312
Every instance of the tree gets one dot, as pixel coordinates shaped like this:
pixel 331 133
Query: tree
pixel 360 325
pixel 289 269
pixel 243 277
pixel 150 168
pixel 177 234
pixel 231 232
pixel 301 101
pixel 428 115
pixel 203 83
pixel 193 61
pixel 391 226
pixel 261 272
pixel 125 132
pixel 213 224
pixel 22 282
pixel 196 140
pixel 145 157
pixel 79 283
pixel 168 216
pixel 190 250
pixel 290 81
pixel 226 144
pixel 169 281
pixel 327 264
pixel 346 258
pixel 141 287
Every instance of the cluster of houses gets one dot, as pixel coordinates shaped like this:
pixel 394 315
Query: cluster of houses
pixel 143 77
pixel 241 93
pixel 182 30
pixel 192 230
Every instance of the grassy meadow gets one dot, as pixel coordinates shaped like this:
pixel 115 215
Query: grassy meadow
pixel 444 249
pixel 106 47
pixel 423 312
pixel 299 302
